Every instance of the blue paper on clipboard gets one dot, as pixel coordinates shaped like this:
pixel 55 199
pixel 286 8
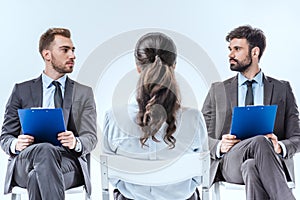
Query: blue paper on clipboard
pixel 42 123
pixel 250 121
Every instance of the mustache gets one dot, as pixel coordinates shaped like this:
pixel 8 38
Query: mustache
pixel 71 61
pixel 232 59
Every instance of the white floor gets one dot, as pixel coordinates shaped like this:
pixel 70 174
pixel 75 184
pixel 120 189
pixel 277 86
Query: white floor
pixel 96 184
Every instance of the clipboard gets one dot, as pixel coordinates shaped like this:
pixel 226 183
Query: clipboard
pixel 250 121
pixel 42 123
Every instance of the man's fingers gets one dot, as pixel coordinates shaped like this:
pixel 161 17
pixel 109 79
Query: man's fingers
pixel 228 136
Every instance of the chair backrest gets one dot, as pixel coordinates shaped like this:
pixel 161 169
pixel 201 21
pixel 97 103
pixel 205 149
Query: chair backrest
pixel 155 172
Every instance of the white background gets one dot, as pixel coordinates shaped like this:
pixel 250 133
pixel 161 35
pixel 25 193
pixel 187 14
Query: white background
pixel 94 22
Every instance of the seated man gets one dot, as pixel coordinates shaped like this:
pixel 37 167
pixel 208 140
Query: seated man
pixel 44 169
pixel 262 163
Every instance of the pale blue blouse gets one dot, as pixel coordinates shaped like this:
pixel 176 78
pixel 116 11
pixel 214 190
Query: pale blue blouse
pixel 121 135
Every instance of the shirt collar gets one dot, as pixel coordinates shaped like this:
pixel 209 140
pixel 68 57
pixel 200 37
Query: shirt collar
pixel 47 81
pixel 258 78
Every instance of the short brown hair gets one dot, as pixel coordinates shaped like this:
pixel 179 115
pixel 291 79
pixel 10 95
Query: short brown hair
pixel 49 35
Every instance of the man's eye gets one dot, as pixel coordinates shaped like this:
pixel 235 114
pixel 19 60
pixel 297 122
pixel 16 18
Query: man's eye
pixel 65 50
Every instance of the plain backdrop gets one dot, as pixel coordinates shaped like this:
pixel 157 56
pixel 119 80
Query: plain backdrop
pixel 97 24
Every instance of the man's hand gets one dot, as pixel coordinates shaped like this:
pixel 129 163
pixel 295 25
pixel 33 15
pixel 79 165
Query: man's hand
pixel 24 141
pixel 274 140
pixel 227 142
pixel 67 139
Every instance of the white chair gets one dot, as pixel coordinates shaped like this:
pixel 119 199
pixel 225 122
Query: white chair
pixel 17 192
pixel 155 172
pixel 231 186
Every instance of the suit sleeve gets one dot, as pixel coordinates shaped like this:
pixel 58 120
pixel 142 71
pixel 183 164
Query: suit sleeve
pixel 209 113
pixel 291 124
pixel 86 120
pixel 11 126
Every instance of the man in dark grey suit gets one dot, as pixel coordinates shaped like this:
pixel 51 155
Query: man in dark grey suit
pixel 263 163
pixel 44 169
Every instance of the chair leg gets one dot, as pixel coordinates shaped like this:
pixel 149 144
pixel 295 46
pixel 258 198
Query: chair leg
pixel 216 191
pixel 15 196
pixel 205 194
pixel 87 196
pixel 105 194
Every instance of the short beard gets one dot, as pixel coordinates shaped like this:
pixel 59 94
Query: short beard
pixel 240 67
pixel 60 69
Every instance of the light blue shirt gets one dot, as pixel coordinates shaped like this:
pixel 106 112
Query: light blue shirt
pixel 121 135
pixel 49 89
pixel 257 87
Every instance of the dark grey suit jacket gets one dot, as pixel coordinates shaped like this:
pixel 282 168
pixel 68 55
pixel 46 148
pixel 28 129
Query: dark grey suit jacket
pixel 217 111
pixel 79 114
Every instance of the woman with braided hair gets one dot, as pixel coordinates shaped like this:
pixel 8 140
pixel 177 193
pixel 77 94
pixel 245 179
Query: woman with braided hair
pixel 158 127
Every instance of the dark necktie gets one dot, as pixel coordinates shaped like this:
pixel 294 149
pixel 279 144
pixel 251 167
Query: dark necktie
pixel 249 95
pixel 58 100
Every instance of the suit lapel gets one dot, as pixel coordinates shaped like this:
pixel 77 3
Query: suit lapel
pixel 37 92
pixel 67 105
pixel 268 90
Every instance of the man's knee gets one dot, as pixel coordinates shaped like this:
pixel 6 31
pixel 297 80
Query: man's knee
pixel 261 143
pixel 41 147
pixel 46 150
pixel 260 140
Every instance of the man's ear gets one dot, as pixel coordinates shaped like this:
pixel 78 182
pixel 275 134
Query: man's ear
pixel 174 65
pixel 255 51
pixel 46 54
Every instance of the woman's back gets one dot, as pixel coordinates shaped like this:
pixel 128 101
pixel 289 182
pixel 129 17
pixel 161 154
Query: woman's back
pixel 122 137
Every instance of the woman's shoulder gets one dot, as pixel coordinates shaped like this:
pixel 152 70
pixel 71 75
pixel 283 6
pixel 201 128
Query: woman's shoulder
pixel 191 117
pixel 124 112
pixel 123 117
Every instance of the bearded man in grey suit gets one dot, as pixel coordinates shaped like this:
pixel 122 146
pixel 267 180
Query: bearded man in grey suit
pixel 263 163
pixel 44 169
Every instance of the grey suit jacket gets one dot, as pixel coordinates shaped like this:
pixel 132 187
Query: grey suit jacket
pixel 79 114
pixel 217 111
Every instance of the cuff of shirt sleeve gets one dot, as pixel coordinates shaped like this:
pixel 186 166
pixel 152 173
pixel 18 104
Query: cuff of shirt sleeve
pixel 13 147
pixel 283 149
pixel 78 146
pixel 218 151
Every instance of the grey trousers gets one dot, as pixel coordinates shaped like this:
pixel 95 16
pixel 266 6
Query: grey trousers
pixel 46 171
pixel 253 162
